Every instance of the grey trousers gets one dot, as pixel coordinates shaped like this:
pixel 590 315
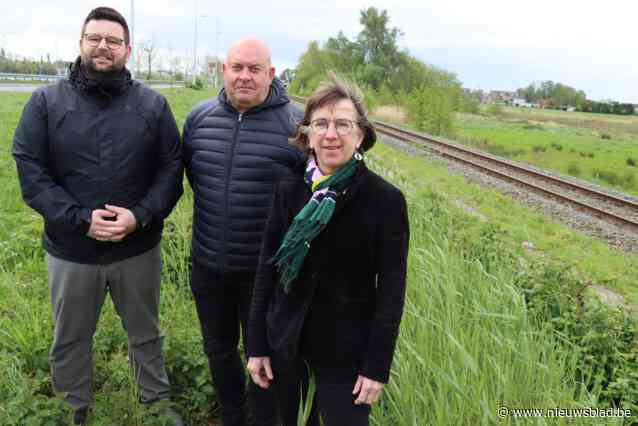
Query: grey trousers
pixel 77 294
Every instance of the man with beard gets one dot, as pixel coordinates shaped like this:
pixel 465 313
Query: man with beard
pixel 235 148
pixel 99 157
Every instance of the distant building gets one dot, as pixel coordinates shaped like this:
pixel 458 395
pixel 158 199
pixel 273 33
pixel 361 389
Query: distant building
pixel 522 103
pixel 500 96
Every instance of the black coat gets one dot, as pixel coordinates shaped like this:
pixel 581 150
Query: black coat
pixel 232 160
pixel 345 307
pixel 78 150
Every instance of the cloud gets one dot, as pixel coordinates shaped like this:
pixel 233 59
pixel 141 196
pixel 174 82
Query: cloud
pixel 484 42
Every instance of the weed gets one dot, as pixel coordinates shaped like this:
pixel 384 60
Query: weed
pixel 611 178
pixel 532 126
pixel 573 169
pixel 631 161
pixel 628 180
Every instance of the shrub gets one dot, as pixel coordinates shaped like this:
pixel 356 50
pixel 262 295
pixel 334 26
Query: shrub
pixel 631 161
pixel 607 176
pixel 197 85
pixel 573 169
pixel 495 109
pixel 557 146
pixel 628 180
pixel 603 338
pixel 605 136
pixel 430 109
pixel 532 126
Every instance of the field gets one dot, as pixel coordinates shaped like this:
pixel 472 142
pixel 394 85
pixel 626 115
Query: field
pixel 487 324
pixel 600 148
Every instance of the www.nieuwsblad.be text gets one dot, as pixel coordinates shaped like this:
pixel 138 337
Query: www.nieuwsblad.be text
pixel 559 412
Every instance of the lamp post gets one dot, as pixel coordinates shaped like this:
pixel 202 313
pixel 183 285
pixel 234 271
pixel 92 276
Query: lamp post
pixel 132 36
pixel 195 43
pixel 197 16
pixel 217 34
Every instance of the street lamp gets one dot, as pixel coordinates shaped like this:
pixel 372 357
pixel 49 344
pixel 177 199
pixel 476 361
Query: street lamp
pixel 132 35
pixel 217 34
pixel 197 16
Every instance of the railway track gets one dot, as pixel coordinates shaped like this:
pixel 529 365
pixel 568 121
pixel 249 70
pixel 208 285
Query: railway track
pixel 607 207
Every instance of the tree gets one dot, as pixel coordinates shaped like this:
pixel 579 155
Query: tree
pixel 378 45
pixel 148 53
pixel 430 109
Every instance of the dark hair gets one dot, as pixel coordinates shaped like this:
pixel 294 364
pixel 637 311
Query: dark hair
pixel 107 14
pixel 330 92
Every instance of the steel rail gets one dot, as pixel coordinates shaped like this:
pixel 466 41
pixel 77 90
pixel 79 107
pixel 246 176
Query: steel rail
pixel 442 147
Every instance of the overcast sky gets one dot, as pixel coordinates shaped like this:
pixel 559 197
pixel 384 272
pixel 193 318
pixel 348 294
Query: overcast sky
pixel 489 44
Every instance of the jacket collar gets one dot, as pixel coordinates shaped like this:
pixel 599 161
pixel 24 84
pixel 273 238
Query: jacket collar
pixel 342 199
pixel 358 178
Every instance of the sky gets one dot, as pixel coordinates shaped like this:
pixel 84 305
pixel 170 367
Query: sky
pixel 489 44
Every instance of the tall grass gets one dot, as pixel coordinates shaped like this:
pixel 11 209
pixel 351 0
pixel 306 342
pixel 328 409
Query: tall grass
pixel 467 343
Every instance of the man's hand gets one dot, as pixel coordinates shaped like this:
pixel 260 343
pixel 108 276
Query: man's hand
pixel 260 371
pixel 368 390
pixel 103 227
pixel 124 220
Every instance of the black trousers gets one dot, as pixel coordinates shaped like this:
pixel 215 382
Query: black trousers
pixel 223 303
pixel 333 401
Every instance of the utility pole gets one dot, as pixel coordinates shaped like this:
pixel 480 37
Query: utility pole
pixel 217 34
pixel 195 43
pixel 132 37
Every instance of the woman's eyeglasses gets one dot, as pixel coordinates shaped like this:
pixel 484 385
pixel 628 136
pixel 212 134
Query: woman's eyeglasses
pixel 343 126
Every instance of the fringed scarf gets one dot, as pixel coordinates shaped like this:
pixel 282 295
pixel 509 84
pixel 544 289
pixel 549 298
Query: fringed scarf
pixel 312 219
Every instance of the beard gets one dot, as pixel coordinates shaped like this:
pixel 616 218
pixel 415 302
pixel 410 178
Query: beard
pixel 100 71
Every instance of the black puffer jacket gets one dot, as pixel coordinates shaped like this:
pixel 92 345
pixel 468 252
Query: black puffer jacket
pixel 232 160
pixel 78 149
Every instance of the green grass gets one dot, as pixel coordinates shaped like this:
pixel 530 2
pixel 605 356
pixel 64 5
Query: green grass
pixel 594 260
pixel 598 145
pixel 469 340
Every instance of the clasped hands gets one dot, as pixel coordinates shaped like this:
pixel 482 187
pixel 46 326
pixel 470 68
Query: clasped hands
pixel 111 223
pixel 261 373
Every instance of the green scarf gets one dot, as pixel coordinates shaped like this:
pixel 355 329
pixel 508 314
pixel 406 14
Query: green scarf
pixel 311 220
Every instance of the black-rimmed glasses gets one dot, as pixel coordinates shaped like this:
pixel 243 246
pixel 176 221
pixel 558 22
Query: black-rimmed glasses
pixel 112 42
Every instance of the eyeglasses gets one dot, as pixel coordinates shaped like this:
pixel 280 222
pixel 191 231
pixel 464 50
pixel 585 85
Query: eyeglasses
pixel 343 126
pixel 112 42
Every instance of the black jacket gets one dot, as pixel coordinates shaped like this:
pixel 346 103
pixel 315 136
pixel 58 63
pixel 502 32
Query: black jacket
pixel 345 307
pixel 77 150
pixel 231 162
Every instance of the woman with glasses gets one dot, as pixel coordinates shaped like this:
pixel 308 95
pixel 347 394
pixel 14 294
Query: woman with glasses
pixel 330 285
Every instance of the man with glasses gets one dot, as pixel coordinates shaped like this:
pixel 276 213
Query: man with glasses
pixel 99 157
pixel 235 147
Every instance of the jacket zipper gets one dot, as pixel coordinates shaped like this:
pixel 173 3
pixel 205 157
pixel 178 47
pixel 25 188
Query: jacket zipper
pixel 227 190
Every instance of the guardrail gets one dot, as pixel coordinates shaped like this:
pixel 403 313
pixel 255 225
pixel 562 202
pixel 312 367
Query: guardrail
pixel 27 77
pixel 48 77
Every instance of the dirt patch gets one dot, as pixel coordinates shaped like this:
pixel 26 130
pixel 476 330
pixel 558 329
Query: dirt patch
pixel 612 298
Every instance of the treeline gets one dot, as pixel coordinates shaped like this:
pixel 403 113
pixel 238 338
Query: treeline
pixel 9 64
pixel 553 95
pixel 386 74
pixel 556 95
pixel 608 108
